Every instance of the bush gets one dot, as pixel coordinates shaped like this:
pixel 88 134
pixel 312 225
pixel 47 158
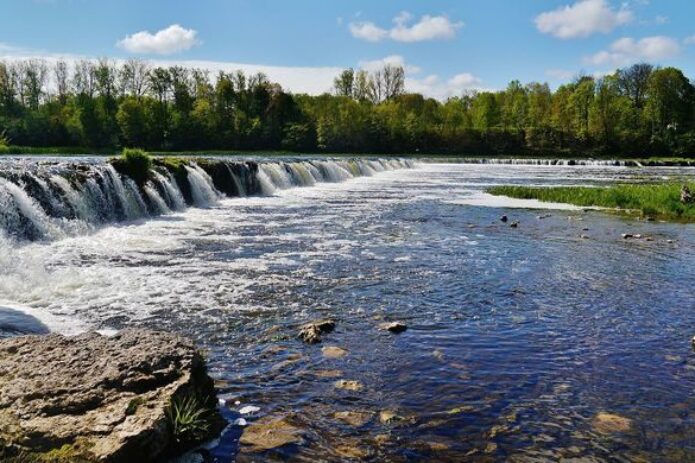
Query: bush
pixel 135 163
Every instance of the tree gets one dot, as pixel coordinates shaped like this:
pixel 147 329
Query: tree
pixel 633 82
pixel 344 83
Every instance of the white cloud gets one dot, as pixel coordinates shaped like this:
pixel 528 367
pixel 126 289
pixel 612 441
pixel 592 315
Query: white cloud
pixel 582 19
pixel 173 39
pixel 628 50
pixel 689 40
pixel 427 28
pixel 393 60
pixel 368 31
pixel 433 86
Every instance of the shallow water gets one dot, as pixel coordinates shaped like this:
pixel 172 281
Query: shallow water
pixel 517 337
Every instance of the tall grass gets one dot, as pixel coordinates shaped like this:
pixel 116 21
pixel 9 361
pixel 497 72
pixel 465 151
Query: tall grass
pixel 658 200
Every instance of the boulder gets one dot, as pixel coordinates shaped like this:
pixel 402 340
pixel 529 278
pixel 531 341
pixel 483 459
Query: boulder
pixel 609 423
pixel 270 433
pixel 393 327
pixel 311 332
pixel 98 398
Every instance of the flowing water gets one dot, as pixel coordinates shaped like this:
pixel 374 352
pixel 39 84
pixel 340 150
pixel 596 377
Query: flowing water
pixel 517 338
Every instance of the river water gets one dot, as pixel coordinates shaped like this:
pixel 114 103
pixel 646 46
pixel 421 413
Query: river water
pixel 519 339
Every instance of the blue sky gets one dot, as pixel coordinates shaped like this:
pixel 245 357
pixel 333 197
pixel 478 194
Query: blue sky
pixel 446 46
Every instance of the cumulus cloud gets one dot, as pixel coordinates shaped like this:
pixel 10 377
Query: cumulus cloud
pixel 167 41
pixel 689 40
pixel 436 87
pixel 404 30
pixel 582 19
pixel 628 50
pixel 393 60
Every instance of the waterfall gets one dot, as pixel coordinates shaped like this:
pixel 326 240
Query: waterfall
pixel 202 187
pixel 48 199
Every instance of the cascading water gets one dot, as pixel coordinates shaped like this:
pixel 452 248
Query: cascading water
pixel 48 199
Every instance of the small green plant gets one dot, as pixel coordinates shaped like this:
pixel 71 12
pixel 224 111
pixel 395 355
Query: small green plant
pixel 4 140
pixel 133 406
pixel 135 163
pixel 188 419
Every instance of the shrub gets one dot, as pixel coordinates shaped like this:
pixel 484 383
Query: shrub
pixel 135 163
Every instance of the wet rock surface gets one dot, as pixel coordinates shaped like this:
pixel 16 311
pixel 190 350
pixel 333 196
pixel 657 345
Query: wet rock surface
pixel 98 398
pixel 393 327
pixel 311 332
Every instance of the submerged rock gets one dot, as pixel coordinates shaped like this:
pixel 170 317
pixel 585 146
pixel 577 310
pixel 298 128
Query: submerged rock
pixel 504 218
pixel 270 433
pixel 608 423
pixel 348 385
pixel 333 352
pixel 354 418
pixel 514 224
pixel 98 398
pixel 311 332
pixel 393 327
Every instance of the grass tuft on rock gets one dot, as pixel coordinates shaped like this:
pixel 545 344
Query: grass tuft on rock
pixel 135 163
pixel 660 201
pixel 189 420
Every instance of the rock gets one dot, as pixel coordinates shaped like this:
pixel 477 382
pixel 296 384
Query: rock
pixel 329 373
pixel 544 216
pixel 504 218
pixel 693 342
pixel 311 332
pixel 584 237
pixel 608 423
pixel 391 417
pixel 491 447
pixel 270 433
pixel 98 398
pixel 393 327
pixel 351 450
pixel 438 354
pixel 355 418
pixel 348 385
pixel 649 238
pixel 514 224
pixel 333 352
pixel 627 236
pixel 638 236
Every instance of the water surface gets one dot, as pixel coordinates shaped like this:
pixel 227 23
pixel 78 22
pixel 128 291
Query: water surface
pixel 517 338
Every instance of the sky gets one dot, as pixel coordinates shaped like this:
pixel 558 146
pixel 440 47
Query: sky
pixel 446 46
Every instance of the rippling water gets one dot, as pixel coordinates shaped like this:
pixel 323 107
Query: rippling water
pixel 517 338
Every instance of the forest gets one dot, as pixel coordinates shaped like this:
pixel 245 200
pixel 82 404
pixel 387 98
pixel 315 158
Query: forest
pixel 103 105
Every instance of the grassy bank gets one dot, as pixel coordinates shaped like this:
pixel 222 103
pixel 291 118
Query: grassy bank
pixel 660 201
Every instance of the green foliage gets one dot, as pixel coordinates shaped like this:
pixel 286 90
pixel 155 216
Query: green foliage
pixel 188 419
pixel 135 163
pixel 4 141
pixel 657 200
pixel 636 112
pixel 133 406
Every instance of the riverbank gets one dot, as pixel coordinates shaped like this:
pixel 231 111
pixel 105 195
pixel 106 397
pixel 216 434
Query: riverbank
pixel 655 201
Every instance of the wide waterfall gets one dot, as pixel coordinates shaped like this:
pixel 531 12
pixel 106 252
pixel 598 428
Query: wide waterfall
pixel 50 199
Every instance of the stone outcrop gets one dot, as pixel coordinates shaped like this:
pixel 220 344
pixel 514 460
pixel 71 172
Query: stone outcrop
pixel 311 332
pixel 98 398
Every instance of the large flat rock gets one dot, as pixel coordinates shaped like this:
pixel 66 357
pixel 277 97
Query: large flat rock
pixel 99 398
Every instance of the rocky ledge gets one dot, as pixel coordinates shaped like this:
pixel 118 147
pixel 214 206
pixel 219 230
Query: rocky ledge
pixel 137 396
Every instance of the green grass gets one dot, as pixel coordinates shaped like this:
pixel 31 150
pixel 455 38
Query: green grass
pixel 189 419
pixel 659 201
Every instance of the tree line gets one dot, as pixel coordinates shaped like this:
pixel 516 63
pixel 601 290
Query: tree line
pixel 99 104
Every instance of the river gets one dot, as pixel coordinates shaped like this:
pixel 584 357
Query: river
pixel 518 340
